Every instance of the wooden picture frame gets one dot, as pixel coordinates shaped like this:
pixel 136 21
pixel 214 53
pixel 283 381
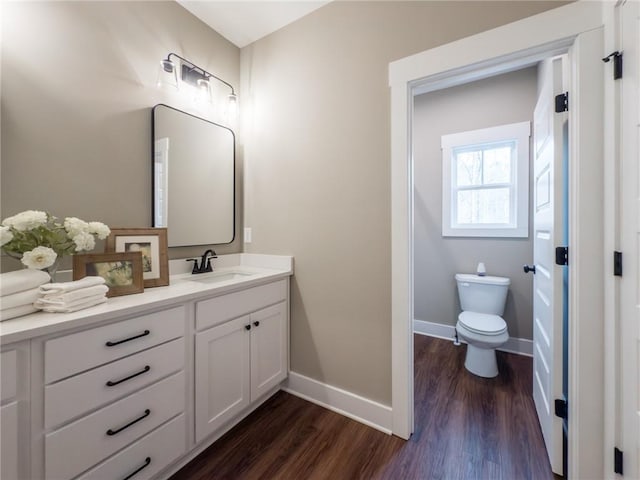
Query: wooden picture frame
pixel 152 242
pixel 121 271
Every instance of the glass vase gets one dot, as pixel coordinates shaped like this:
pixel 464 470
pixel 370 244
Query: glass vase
pixel 52 270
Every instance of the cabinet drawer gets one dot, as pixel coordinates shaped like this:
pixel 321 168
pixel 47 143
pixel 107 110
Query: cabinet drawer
pixel 9 377
pixel 101 345
pixel 86 442
pixel 9 441
pixel 76 395
pixel 147 456
pixel 220 309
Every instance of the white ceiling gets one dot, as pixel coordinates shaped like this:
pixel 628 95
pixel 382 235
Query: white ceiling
pixel 242 22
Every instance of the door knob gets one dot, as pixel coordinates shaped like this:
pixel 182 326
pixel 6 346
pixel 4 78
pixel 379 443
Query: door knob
pixel 529 268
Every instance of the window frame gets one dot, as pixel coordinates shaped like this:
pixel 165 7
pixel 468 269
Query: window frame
pixel 518 226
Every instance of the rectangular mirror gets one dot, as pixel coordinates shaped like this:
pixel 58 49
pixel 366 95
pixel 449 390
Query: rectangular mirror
pixel 193 178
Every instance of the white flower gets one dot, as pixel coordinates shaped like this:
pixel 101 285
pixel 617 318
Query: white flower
pixel 5 235
pixel 84 241
pixel 74 226
pixel 26 220
pixel 39 258
pixel 99 229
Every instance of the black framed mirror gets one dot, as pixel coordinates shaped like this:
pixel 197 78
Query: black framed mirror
pixel 193 178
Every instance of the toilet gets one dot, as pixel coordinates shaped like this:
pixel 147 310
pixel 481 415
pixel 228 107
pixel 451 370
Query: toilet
pixel 480 324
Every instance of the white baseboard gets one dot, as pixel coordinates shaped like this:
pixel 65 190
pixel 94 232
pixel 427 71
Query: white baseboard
pixel 341 401
pixel 520 346
pixel 431 329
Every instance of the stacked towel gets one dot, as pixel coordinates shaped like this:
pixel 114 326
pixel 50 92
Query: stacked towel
pixel 18 291
pixel 72 296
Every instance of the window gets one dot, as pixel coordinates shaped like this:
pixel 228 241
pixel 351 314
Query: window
pixel 485 188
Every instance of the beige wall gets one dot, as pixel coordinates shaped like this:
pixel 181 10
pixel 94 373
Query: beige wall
pixel 78 83
pixel 508 98
pixel 316 126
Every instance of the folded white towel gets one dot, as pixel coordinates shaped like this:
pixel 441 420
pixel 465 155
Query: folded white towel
pixel 65 298
pixel 21 280
pixel 17 312
pixel 79 305
pixel 64 287
pixel 19 299
pixel 70 301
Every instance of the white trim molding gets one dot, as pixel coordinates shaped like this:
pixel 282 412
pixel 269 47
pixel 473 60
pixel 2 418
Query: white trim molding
pixel 576 29
pixel 519 346
pixel 515 138
pixel 360 409
pixel 433 329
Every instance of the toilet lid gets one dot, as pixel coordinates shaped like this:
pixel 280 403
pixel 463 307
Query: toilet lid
pixel 482 323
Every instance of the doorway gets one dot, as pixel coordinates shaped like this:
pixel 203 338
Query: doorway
pixel 488 184
pixel 497 51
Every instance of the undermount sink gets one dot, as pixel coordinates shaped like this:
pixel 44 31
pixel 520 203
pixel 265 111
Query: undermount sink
pixel 216 277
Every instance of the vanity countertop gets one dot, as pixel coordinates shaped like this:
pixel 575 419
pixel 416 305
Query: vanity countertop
pixel 231 272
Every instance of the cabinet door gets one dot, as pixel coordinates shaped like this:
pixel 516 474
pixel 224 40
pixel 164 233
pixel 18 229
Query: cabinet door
pixel 9 441
pixel 14 411
pixel 269 349
pixel 222 374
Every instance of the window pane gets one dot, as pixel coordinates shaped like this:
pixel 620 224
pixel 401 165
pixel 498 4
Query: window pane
pixel 483 206
pixel 497 165
pixel 468 167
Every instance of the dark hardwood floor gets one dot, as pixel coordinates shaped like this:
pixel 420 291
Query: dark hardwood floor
pixel 466 427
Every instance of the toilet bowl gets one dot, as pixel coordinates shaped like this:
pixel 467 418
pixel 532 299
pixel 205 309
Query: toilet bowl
pixel 480 324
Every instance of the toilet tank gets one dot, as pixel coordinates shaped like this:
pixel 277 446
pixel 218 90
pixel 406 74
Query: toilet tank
pixel 482 294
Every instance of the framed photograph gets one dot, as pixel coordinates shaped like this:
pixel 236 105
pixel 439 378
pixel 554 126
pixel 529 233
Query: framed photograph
pixel 152 243
pixel 122 272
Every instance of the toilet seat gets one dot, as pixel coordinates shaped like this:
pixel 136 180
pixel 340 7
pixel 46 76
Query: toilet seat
pixel 482 323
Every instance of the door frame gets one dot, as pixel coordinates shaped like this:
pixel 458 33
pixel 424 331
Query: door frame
pixel 626 112
pixel 577 29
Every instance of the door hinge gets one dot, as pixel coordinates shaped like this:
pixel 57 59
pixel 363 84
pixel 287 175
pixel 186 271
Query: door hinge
pixel 617 64
pixel 561 409
pixel 617 264
pixel 617 460
pixel 562 255
pixel 562 102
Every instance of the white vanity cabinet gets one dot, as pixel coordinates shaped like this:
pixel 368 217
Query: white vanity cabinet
pixel 138 386
pixel 14 404
pixel 242 357
pixel 114 387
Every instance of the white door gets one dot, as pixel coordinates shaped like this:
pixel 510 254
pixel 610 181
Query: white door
pixel 221 374
pixel 547 283
pixel 268 349
pixel 629 362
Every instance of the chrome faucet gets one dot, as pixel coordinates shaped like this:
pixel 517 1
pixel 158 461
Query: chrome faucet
pixel 204 266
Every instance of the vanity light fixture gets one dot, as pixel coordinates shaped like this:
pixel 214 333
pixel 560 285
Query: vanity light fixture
pixel 204 91
pixel 232 106
pixel 167 74
pixel 193 75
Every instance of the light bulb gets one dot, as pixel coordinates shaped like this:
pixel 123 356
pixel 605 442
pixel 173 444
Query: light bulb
pixel 203 94
pixel 167 74
pixel 232 106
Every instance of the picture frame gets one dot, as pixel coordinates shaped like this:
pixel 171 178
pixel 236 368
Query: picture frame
pixel 122 271
pixel 152 242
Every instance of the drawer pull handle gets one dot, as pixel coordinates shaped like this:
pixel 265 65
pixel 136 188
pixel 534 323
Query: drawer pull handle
pixel 147 461
pixel 247 327
pixel 112 383
pixel 118 342
pixel 146 413
pixel 256 323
